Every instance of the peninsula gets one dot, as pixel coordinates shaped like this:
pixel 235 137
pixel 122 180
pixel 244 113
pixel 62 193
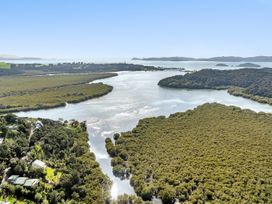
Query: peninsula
pixel 251 83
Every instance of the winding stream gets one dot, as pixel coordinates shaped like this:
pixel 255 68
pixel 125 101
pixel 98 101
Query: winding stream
pixel 135 96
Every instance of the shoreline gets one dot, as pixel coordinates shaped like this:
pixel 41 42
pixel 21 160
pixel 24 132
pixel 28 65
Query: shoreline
pixel 63 104
pixel 234 91
pixel 43 105
pixel 237 91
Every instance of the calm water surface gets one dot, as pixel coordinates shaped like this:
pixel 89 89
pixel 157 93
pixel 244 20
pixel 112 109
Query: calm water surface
pixel 135 96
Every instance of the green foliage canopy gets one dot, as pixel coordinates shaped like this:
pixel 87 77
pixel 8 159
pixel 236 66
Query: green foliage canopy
pixel 215 154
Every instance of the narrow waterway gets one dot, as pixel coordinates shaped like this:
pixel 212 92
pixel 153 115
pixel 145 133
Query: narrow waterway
pixel 135 95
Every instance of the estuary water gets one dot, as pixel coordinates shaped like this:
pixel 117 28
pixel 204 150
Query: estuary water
pixel 135 95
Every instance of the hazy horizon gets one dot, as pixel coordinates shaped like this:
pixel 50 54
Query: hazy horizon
pixel 15 57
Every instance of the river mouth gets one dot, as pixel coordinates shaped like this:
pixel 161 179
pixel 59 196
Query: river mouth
pixel 135 95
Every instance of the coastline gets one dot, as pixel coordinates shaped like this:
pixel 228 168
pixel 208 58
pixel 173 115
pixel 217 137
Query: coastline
pixel 62 104
pixel 234 91
pixel 237 91
pixel 71 92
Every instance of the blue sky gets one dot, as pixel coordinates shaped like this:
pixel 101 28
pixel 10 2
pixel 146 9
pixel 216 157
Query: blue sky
pixel 141 28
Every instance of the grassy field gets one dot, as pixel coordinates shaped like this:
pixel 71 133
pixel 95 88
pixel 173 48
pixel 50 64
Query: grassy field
pixel 4 65
pixel 38 92
pixel 212 154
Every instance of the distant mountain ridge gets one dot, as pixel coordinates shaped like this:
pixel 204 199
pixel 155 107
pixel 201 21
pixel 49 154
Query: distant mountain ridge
pixel 215 59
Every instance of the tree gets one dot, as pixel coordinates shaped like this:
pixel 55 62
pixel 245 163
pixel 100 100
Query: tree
pixel 5 152
pixel 147 193
pixel 167 195
pixel 10 118
pixel 38 197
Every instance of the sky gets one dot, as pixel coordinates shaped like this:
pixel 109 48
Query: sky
pixel 135 28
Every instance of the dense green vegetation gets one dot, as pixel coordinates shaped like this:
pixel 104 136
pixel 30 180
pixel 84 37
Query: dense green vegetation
pixel 34 69
pixel 36 92
pixel 213 154
pixel 130 199
pixel 72 175
pixel 4 65
pixel 255 84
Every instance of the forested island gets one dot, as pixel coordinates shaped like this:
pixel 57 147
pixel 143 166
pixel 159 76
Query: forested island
pixel 22 93
pixel 45 161
pixel 215 59
pixel 221 65
pixel 255 84
pixel 77 67
pixel 249 65
pixel 212 154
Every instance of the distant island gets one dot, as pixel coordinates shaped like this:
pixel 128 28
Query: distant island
pixel 251 83
pixel 165 59
pixel 248 65
pixel 215 59
pixel 221 65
